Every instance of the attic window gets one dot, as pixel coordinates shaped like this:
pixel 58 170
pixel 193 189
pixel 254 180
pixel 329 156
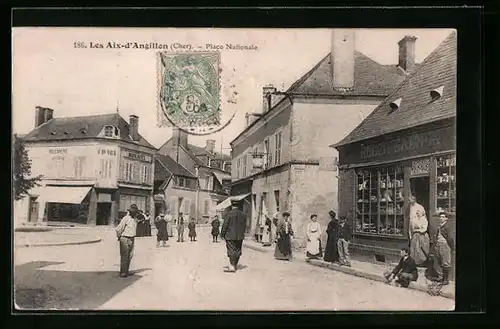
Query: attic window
pixel 395 104
pixel 53 133
pixel 66 132
pixel 437 93
pixel 110 131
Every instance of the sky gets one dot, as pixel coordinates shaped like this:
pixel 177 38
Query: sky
pixel 49 71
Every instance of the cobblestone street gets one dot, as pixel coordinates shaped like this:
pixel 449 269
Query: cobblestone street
pixel 189 276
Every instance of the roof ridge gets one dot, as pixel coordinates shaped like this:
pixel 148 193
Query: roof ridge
pixel 304 77
pixel 88 116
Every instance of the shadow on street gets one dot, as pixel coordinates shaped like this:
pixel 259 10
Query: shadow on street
pixel 36 288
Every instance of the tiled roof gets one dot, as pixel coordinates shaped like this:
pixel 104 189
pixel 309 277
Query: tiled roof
pixel 174 167
pixel 198 150
pixel 370 78
pixel 416 108
pixel 71 128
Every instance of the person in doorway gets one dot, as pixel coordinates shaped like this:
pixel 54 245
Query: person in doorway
pixel 443 242
pixel 233 231
pixel 266 238
pixel 313 238
pixel 180 228
pixel 147 224
pixel 192 230
pixel 419 239
pixel 161 235
pixel 331 252
pixel 284 233
pixel 406 270
pixel 125 232
pixel 345 235
pixel 215 228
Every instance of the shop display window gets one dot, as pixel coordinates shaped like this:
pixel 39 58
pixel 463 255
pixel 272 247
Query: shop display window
pixel 446 183
pixel 380 201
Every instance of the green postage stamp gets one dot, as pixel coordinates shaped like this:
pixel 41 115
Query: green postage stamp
pixel 190 89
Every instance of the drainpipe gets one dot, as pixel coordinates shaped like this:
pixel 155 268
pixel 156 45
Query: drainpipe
pixel 197 171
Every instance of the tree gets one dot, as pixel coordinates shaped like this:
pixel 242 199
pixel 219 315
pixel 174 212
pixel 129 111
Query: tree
pixel 22 170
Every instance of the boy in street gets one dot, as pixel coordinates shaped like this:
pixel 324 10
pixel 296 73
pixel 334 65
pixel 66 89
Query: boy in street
pixel 343 242
pixel 406 270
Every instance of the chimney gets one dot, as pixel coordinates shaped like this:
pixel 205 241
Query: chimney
pixel 267 94
pixel 342 59
pixel 179 137
pixel 42 115
pixel 210 145
pixel 407 53
pixel 134 127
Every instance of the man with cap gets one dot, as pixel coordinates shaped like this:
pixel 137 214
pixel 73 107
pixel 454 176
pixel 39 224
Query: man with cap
pixel 126 231
pixel 233 231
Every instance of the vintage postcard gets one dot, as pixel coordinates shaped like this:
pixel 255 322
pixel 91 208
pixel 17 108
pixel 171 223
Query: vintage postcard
pixel 234 169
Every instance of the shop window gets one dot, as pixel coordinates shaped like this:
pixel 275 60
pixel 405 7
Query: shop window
pixel 446 184
pixel 380 201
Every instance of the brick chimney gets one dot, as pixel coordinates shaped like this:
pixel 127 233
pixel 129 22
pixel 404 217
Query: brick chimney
pixel 407 53
pixel 342 59
pixel 267 94
pixel 210 146
pixel 42 115
pixel 179 137
pixel 134 127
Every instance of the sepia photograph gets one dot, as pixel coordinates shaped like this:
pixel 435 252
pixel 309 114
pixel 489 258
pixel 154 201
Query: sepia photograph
pixel 234 169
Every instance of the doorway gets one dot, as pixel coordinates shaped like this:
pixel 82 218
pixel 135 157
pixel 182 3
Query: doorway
pixel 33 215
pixel 103 213
pixel 420 188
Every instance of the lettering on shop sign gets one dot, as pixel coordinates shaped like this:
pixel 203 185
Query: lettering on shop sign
pixel 400 144
pixel 137 156
pixel 58 151
pixel 106 152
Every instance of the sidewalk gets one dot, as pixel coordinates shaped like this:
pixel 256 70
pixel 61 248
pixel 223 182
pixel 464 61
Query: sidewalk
pixel 57 237
pixel 366 270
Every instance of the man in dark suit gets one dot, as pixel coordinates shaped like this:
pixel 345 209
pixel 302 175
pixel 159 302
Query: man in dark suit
pixel 343 242
pixel 233 231
pixel 406 270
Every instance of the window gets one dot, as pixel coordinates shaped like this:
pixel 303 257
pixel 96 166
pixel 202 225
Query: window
pixel 206 206
pixel 57 166
pixel 277 200
pixel 144 174
pixel 380 201
pixel 277 150
pixel 267 154
pixel 106 168
pixel 180 181
pixel 109 131
pixel 186 205
pixel 446 184
pixel 79 167
pixel 245 164
pixel 129 171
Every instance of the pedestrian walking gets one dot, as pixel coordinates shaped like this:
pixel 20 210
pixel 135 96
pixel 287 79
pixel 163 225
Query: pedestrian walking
pixel 192 230
pixel 162 234
pixel 125 232
pixel 284 233
pixel 419 239
pixel 406 270
pixel 313 238
pixel 233 231
pixel 180 228
pixel 266 238
pixel 331 251
pixel 215 228
pixel 147 224
pixel 345 235
pixel 442 242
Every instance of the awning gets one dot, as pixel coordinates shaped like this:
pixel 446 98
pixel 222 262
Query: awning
pixel 227 203
pixel 63 194
pixel 220 177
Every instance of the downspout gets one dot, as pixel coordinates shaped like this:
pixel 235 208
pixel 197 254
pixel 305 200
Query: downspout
pixel 197 171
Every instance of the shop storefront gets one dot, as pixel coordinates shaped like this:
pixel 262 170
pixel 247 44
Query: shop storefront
pixel 129 196
pixel 383 173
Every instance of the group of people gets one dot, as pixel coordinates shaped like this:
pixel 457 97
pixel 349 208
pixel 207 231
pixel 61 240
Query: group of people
pixel 143 224
pixel 164 228
pixel 337 244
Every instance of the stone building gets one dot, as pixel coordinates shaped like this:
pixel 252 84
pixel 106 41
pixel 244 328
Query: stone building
pixel 94 167
pixel 283 158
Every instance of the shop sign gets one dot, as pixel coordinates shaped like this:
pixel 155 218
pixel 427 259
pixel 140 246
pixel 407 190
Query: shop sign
pixel 137 156
pixel 110 152
pixel 405 145
pixel 58 151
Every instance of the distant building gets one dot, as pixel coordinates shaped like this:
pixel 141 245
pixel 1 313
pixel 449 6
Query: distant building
pixel 283 158
pixel 204 169
pixel 94 167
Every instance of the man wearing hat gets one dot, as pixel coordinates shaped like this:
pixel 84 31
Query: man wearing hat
pixel 442 244
pixel 233 231
pixel 126 231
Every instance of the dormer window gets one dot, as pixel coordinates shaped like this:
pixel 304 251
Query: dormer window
pixel 437 93
pixel 111 131
pixel 395 104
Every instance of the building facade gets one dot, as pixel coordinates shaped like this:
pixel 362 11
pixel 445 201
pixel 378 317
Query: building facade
pixel 405 147
pixel 207 170
pixel 284 150
pixel 93 168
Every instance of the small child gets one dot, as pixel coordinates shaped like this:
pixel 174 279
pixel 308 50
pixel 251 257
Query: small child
pixel 406 271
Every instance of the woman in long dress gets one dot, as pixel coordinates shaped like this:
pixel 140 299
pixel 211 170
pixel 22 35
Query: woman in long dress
pixel 284 232
pixel 192 230
pixel 419 239
pixel 266 238
pixel 331 252
pixel 162 234
pixel 313 238
pixel 215 228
